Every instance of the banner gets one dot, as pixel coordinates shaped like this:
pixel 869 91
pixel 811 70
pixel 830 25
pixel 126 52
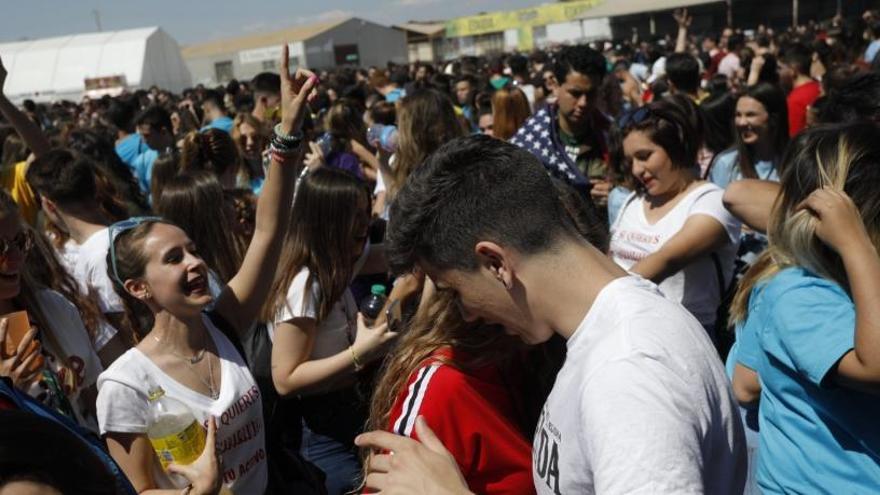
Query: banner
pixel 521 19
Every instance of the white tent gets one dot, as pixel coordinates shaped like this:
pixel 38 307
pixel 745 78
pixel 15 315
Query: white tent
pixel 57 68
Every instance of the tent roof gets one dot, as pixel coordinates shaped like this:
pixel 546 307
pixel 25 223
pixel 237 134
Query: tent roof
pixel 58 67
pixel 289 35
pixel 84 39
pixel 614 8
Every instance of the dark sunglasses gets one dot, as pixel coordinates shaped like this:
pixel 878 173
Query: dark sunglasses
pixel 634 116
pixel 23 242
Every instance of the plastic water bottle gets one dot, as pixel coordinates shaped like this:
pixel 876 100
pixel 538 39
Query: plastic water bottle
pixel 383 136
pixel 372 305
pixel 176 435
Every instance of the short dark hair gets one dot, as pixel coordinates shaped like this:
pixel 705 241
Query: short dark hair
pixel 683 70
pixel 471 189
pixel 121 114
pixel 582 59
pixel 63 176
pixel 519 65
pixel 214 98
pixel 674 124
pixel 798 55
pixel 156 117
pixel 266 82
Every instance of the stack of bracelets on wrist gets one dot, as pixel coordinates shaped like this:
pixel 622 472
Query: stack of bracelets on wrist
pixel 283 146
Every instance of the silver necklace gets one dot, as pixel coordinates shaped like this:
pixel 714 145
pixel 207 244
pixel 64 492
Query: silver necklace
pixel 210 383
pixel 191 362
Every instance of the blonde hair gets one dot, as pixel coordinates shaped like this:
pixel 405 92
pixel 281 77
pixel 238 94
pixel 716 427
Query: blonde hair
pixel 426 120
pixel 842 158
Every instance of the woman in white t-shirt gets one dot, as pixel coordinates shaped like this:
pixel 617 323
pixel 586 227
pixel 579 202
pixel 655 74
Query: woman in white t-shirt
pixel 320 344
pixel 187 352
pixel 673 229
pixel 61 367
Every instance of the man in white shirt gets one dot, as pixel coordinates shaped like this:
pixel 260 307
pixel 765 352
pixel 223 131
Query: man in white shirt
pixel 640 405
pixel 67 189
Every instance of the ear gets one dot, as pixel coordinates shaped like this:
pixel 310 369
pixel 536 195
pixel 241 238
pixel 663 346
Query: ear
pixel 137 288
pixel 497 260
pixel 48 205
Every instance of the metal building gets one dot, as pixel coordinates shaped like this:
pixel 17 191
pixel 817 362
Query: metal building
pixel 348 41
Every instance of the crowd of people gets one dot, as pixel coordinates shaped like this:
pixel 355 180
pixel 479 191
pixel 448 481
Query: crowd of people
pixel 629 266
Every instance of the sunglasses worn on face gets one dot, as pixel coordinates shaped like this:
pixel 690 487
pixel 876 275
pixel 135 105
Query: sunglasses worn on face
pixel 23 242
pixel 120 227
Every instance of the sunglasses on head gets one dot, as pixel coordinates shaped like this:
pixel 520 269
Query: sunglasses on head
pixel 120 227
pixel 634 116
pixel 23 242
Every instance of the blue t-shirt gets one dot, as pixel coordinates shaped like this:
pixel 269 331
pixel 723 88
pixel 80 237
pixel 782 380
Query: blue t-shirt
pixel 815 435
pixel 223 123
pixel 872 50
pixel 142 168
pixel 130 147
pixel 725 169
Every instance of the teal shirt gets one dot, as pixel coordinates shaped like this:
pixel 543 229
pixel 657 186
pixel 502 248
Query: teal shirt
pixel 815 436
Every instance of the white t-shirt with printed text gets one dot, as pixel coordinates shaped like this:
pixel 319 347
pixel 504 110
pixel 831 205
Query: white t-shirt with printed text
pixel 641 404
pixel 697 285
pixel 123 407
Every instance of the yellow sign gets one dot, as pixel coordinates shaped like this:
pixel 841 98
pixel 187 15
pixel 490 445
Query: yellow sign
pixel 540 15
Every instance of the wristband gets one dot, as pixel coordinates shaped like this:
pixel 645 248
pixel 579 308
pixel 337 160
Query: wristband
pixel 355 359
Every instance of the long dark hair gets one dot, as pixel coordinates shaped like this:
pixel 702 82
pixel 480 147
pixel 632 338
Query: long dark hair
pixel 319 237
pixel 195 201
pixel 344 122
pixel 101 150
pixel 773 99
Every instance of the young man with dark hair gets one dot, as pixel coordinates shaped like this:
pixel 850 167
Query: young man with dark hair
pixel 155 128
pixel 519 70
pixel 683 75
pixel 267 99
pixel 570 137
pixel 214 109
pixel 129 143
pixel 795 64
pixel 641 403
pixel 66 186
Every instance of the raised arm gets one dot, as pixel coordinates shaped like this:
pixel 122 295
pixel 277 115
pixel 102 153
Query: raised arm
pixel 241 300
pixel 29 131
pixel 751 201
pixel 840 226
pixel 684 22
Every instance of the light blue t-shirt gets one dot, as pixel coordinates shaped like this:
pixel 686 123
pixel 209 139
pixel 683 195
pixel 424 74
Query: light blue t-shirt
pixel 815 436
pixel 223 123
pixel 130 147
pixel 872 50
pixel 616 199
pixel 142 168
pixel 725 169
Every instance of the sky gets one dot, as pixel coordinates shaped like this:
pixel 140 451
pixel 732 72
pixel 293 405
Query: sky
pixel 194 21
